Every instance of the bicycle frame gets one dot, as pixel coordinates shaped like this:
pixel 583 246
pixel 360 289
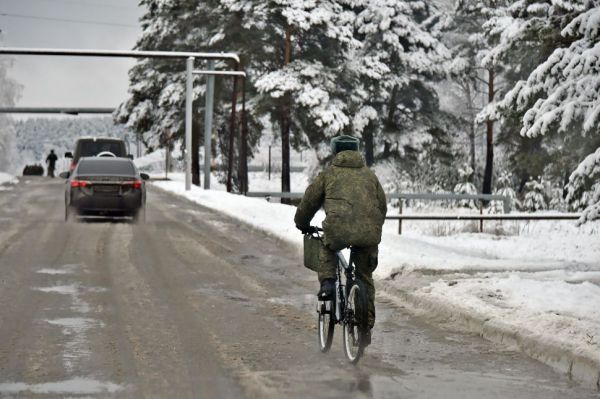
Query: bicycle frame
pixel 346 268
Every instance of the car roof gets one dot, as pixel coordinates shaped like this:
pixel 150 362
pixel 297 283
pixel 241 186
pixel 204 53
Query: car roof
pixel 87 138
pixel 106 159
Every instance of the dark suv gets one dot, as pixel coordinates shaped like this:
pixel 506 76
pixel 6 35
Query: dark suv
pixel 97 146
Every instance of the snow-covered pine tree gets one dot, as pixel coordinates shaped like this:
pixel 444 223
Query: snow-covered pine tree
pixel 393 101
pixel 298 80
pixel 9 93
pixel 534 199
pixel 504 187
pixel 583 190
pixel 555 104
pixel 465 186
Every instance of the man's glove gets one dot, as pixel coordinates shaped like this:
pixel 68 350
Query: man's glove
pixel 307 229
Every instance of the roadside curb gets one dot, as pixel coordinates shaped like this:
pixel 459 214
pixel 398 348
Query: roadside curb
pixel 579 367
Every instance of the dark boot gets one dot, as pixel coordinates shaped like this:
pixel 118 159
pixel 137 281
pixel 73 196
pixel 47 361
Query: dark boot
pixel 327 291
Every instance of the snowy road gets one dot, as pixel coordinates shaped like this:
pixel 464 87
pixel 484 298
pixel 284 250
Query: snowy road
pixel 192 304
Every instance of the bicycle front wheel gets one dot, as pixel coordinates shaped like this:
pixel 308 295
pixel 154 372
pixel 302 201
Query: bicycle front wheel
pixel 326 325
pixel 355 322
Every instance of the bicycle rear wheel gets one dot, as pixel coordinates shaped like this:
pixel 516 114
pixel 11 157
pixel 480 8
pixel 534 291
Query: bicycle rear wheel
pixel 326 310
pixel 355 322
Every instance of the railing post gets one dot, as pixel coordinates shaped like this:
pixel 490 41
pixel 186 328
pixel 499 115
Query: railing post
pixel 481 213
pixel 400 220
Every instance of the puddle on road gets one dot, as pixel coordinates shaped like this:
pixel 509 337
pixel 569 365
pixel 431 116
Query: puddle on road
pixel 75 386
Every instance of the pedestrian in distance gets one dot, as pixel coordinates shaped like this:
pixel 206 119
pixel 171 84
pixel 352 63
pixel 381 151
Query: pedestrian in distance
pixel 51 162
pixel 355 208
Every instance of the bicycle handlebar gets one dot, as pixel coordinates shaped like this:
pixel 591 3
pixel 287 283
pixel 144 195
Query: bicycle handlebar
pixel 312 230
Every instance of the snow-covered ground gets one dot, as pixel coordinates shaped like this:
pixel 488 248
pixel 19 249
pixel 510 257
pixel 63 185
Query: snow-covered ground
pixel 6 180
pixel 543 281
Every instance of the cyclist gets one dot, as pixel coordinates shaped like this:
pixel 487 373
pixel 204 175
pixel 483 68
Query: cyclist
pixel 355 208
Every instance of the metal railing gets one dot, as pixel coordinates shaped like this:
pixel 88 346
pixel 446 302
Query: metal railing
pixel 55 110
pixel 506 201
pixel 481 217
pixel 274 194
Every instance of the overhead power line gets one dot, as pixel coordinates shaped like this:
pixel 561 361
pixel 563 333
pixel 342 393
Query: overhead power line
pixel 68 20
pixel 92 4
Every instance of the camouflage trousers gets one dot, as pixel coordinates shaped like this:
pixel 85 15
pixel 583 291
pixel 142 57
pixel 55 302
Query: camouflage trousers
pixel 365 260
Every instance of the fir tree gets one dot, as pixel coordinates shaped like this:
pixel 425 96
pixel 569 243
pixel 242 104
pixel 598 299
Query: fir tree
pixel 393 99
pixel 583 189
pixel 465 186
pixel 534 199
pixel 554 106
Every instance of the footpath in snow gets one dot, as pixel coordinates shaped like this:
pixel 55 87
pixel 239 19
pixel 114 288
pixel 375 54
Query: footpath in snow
pixel 538 290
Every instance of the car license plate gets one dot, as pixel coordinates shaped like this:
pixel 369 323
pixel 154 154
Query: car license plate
pixel 105 188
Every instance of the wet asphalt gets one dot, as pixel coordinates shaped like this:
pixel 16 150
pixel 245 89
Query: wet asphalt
pixel 193 304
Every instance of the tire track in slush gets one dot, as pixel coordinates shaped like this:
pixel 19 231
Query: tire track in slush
pixel 149 329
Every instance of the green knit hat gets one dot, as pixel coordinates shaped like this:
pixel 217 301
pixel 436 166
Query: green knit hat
pixel 344 143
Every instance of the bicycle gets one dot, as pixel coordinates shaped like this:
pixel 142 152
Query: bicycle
pixel 348 307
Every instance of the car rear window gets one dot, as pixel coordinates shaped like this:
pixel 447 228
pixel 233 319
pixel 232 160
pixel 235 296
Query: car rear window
pixel 101 166
pixel 93 148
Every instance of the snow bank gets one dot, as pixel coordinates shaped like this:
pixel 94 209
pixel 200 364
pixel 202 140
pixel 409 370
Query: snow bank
pixel 6 179
pixel 259 181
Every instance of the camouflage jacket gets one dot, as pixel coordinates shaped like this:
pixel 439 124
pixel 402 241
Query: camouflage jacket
pixel 353 199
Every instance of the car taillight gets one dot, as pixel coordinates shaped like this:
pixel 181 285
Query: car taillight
pixel 79 183
pixel 133 183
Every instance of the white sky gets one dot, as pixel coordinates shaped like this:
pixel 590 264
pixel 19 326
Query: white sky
pixel 70 82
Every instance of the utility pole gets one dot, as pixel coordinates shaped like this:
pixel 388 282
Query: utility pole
pixel 232 133
pixel 188 123
pixel 243 161
pixel 489 161
pixel 208 121
pixel 285 123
